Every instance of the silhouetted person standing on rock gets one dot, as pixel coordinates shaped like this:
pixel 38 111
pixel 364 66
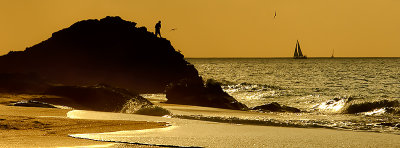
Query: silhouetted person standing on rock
pixel 158 27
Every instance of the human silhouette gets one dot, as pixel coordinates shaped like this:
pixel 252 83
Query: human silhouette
pixel 158 27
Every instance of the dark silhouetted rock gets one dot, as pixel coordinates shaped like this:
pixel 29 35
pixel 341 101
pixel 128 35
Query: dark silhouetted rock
pixel 110 51
pixel 195 93
pixel 273 107
pixel 276 107
pixel 115 52
pixel 22 83
pixel 99 97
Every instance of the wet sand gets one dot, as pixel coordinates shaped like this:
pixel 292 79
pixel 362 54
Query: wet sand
pixel 184 132
pixel 50 127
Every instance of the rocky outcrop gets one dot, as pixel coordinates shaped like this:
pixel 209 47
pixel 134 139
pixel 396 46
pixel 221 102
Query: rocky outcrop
pixel 110 51
pixel 275 107
pixel 22 83
pixel 99 97
pixel 115 52
pixel 195 93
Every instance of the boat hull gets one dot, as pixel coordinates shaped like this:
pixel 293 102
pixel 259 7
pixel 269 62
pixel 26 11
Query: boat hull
pixel 300 57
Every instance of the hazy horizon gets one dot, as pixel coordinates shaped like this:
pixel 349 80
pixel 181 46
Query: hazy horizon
pixel 290 57
pixel 215 29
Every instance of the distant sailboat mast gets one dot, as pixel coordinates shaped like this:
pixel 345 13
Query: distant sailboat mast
pixel 299 50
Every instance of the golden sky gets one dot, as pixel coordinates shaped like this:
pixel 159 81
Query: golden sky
pixel 224 28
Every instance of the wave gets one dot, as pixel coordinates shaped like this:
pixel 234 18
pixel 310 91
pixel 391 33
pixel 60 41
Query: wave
pixel 248 91
pixel 355 125
pixel 265 122
pixel 251 87
pixel 353 105
pixel 359 106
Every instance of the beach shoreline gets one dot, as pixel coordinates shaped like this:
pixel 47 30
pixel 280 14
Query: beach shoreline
pixel 50 127
pixel 197 133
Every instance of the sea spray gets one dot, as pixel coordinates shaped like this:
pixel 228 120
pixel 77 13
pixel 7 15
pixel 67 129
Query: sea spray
pixel 334 105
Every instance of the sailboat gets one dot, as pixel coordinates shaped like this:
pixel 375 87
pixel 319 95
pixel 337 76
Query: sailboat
pixel 333 53
pixel 297 52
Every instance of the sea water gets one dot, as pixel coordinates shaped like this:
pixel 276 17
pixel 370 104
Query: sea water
pixel 354 94
pixel 345 93
pixel 260 80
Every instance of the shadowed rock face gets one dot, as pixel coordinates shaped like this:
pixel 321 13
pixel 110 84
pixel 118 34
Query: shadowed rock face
pixel 210 95
pixel 22 83
pixel 110 50
pixel 100 97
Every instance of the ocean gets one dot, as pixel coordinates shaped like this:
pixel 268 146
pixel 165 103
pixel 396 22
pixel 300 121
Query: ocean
pixel 262 80
pixel 343 93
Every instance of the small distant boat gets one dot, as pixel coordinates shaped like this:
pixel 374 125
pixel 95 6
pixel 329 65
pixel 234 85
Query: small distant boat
pixel 297 52
pixel 333 53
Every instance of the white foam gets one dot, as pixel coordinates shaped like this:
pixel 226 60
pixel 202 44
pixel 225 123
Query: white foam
pixel 378 111
pixel 91 146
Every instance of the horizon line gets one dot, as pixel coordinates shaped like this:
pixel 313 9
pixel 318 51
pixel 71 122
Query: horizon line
pixel 279 57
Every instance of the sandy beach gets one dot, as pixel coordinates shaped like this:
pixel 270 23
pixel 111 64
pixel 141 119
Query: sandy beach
pixel 49 127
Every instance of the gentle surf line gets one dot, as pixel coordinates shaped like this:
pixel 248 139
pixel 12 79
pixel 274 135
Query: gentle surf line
pixel 91 146
pixel 74 114
pixel 124 142
pixel 261 122
pixel 196 133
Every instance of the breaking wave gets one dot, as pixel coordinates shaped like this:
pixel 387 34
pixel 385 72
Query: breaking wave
pixel 358 106
pixel 255 94
pixel 355 125
pixel 351 105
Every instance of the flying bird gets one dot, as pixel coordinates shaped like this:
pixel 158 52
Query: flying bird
pixel 173 29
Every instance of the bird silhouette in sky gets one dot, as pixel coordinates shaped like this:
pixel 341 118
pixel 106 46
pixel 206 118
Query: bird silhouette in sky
pixel 173 29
